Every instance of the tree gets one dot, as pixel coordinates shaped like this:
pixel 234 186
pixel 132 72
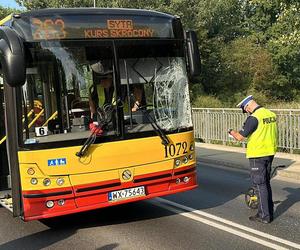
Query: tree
pixel 186 9
pixel 284 44
pixel 260 16
pixel 247 69
pixel 275 24
pixel 245 45
pixel 40 4
pixel 218 23
pixel 4 12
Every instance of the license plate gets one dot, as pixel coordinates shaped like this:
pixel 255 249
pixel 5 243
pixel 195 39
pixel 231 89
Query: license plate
pixel 126 193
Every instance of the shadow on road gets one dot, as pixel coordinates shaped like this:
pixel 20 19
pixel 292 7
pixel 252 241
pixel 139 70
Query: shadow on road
pixel 292 198
pixel 126 213
pixel 109 247
pixel 38 240
pixel 61 228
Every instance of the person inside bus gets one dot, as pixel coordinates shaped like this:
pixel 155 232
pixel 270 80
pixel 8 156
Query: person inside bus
pixel 138 92
pixel 102 91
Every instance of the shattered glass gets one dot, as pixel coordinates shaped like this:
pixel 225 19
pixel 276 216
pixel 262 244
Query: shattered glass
pixel 171 96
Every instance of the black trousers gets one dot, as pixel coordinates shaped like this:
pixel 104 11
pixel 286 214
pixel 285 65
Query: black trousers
pixel 260 171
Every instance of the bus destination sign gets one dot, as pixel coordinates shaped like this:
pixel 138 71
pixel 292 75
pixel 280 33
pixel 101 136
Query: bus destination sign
pixel 46 28
pixel 119 28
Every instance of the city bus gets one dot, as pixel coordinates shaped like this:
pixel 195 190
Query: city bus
pixel 56 64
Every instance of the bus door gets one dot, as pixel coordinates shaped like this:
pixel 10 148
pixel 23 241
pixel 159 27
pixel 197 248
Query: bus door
pixel 5 194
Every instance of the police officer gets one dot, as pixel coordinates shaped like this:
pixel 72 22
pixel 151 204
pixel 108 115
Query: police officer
pixel 102 90
pixel 261 130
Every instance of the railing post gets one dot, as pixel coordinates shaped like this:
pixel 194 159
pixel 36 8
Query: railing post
pixel 207 126
pixel 291 139
pixel 223 122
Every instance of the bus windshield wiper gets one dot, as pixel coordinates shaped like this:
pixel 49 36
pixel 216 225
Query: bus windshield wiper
pixel 90 140
pixel 164 138
pixel 104 117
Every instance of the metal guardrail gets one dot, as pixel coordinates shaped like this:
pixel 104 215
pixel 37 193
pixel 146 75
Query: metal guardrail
pixel 211 126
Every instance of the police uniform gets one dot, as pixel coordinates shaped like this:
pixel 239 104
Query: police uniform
pixel 99 94
pixel 261 130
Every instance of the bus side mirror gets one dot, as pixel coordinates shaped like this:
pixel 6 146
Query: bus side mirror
pixel 193 55
pixel 12 57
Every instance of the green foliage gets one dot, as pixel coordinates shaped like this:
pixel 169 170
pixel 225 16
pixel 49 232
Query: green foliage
pixel 195 91
pixel 283 105
pixel 207 101
pixel 220 19
pixel 4 12
pixel 219 23
pixel 247 67
pixel 285 47
pixel 276 26
pixel 246 46
pixel 261 57
pixel 40 4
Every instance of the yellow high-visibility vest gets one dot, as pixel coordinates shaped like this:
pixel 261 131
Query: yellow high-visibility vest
pixel 263 141
pixel 101 98
pixel 101 94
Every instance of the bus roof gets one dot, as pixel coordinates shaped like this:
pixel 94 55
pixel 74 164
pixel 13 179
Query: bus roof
pixel 87 11
pixel 94 23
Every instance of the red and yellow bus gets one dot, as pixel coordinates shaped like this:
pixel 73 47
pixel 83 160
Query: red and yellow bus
pixel 58 63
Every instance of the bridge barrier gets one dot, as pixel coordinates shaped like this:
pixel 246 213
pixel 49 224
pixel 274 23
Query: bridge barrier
pixel 211 126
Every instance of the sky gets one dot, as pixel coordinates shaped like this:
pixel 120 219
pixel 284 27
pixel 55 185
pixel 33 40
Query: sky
pixel 9 3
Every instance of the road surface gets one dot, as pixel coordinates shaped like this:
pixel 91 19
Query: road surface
pixel 213 216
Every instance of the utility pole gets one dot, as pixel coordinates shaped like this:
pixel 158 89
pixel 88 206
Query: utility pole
pixel 94 3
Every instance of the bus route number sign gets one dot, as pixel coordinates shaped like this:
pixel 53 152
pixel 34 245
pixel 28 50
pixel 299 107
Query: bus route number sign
pixel 48 29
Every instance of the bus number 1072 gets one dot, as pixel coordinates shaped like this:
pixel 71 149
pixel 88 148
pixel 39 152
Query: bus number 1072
pixel 176 149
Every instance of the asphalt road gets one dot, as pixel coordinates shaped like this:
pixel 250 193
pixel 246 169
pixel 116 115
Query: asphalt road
pixel 214 216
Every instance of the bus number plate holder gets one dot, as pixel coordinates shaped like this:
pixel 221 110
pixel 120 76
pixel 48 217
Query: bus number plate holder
pixel 128 193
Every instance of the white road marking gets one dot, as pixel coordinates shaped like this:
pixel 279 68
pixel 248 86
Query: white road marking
pixel 234 227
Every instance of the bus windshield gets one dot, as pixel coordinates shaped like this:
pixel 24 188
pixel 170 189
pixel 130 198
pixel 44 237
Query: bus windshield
pixel 70 83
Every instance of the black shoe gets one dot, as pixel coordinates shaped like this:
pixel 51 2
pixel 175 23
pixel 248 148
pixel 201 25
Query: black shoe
pixel 258 219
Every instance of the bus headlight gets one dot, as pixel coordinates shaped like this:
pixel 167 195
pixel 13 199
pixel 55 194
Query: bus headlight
pixel 192 147
pixel 191 156
pixel 46 182
pixel 50 204
pixel 186 179
pixel 177 162
pixel 61 202
pixel 185 160
pixel 34 181
pixel 60 181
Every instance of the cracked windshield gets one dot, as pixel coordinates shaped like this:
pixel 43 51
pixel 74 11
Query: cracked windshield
pixel 68 88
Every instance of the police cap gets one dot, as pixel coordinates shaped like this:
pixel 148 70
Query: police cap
pixel 245 102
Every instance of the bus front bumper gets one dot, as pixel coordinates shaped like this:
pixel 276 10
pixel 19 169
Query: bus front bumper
pixel 63 201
